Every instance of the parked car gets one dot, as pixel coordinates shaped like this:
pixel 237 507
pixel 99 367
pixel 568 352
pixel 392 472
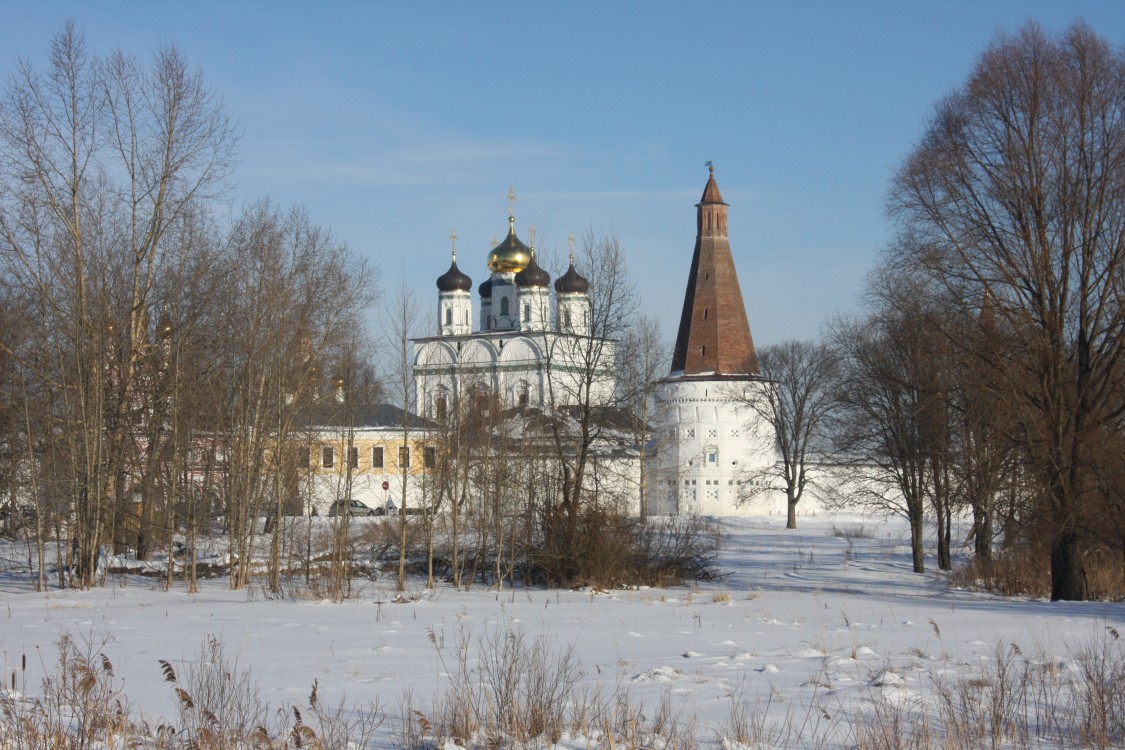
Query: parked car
pixel 19 515
pixel 353 508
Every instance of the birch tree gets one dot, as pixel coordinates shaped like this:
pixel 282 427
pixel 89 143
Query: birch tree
pixel 99 157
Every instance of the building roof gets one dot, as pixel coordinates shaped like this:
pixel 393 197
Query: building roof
pixel 454 280
pixel 711 192
pixel 511 254
pixel 714 334
pixel 533 275
pixel 332 414
pixel 572 282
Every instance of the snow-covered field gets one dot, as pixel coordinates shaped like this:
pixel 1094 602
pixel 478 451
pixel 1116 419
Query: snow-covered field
pixel 811 630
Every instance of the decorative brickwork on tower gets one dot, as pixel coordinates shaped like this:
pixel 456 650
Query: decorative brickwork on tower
pixel 714 335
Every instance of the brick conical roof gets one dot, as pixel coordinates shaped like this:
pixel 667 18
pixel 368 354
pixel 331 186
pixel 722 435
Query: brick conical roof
pixel 714 335
pixel 711 192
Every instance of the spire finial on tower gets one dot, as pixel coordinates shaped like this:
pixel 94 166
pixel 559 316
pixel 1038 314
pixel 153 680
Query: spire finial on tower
pixel 453 239
pixel 711 167
pixel 570 239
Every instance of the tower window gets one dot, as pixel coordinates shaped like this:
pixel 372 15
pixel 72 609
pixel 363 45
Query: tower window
pixel 527 312
pixel 449 316
pixel 503 305
pixel 566 318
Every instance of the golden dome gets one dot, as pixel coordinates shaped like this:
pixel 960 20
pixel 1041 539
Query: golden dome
pixel 511 255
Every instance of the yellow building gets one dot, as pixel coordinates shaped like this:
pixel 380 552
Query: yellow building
pixel 373 453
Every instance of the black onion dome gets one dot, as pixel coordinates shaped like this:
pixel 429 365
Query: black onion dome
pixel 572 282
pixel 453 280
pixel 485 289
pixel 533 275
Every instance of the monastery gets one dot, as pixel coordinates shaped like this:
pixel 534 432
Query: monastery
pixel 710 450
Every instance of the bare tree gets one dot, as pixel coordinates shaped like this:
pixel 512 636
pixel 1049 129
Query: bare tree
pixel 296 297
pixel 890 415
pixel 799 408
pixel 986 460
pixel 1016 191
pixel 401 316
pixel 100 158
pixel 642 358
pixel 578 368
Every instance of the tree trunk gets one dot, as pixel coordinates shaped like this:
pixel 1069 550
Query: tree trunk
pixel 1068 575
pixel 791 521
pixel 982 529
pixel 943 537
pixel 917 529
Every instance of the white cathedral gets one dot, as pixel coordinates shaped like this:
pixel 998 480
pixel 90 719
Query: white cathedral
pixel 526 350
pixel 709 444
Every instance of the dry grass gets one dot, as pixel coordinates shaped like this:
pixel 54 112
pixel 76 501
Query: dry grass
pixel 510 690
pixel 518 689
pixel 853 531
pixel 1027 572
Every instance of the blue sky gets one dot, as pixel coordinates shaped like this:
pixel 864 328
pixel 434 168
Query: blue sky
pixel 394 123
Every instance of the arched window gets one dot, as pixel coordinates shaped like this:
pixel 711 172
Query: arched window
pixel 449 316
pixel 566 318
pixel 527 311
pixel 503 305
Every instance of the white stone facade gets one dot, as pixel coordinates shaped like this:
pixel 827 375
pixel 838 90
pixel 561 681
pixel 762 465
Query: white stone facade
pixel 709 443
pixel 542 369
